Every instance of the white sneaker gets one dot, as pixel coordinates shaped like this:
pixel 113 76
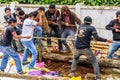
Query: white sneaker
pixel 71 74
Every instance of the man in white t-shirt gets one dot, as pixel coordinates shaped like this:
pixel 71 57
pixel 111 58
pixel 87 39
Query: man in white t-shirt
pixel 28 29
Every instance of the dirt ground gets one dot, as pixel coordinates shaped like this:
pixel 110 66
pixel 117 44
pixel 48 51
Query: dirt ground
pixel 64 69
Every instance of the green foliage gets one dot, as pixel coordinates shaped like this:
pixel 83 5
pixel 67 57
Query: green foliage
pixel 68 2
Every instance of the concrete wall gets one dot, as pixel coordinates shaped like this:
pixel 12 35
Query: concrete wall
pixel 101 15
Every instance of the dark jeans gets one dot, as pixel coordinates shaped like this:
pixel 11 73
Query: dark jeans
pixel 57 32
pixel 89 54
pixel 65 34
pixel 20 46
pixel 14 44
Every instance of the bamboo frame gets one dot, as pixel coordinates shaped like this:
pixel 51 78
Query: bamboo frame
pixel 28 77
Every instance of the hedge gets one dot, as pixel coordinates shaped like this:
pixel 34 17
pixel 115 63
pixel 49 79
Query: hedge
pixel 68 2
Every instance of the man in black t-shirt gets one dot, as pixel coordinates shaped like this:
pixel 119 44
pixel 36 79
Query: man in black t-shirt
pixel 52 16
pixel 114 26
pixel 82 45
pixel 5 46
pixel 8 14
pixel 7 17
pixel 22 16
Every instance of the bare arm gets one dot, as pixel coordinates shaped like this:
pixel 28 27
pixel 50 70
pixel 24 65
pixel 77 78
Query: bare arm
pixel 19 37
pixel 40 14
pixel 18 20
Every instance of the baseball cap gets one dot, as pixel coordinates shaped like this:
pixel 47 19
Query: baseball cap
pixel 52 6
pixel 118 13
pixel 18 9
pixel 88 19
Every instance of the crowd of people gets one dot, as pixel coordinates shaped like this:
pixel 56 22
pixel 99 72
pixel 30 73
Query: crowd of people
pixel 52 22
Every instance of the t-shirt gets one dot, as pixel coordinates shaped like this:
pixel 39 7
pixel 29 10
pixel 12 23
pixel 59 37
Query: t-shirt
pixel 22 19
pixel 6 17
pixel 84 35
pixel 67 20
pixel 114 24
pixel 7 36
pixel 52 16
pixel 28 29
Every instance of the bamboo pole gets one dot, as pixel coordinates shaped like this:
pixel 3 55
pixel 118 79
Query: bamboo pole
pixel 28 77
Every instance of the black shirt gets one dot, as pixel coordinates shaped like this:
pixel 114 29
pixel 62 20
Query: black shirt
pixel 6 17
pixel 52 16
pixel 114 24
pixel 22 19
pixel 7 36
pixel 85 32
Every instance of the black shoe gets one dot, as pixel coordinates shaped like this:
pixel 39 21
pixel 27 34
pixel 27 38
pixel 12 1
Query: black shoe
pixel 1 70
pixel 25 63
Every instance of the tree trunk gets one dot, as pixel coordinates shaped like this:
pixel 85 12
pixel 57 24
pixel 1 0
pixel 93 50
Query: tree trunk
pixel 68 58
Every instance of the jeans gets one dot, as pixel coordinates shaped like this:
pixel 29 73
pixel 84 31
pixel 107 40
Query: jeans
pixel 39 34
pixel 19 46
pixel 14 45
pixel 65 34
pixel 9 51
pixel 113 48
pixel 29 47
pixel 57 31
pixel 89 54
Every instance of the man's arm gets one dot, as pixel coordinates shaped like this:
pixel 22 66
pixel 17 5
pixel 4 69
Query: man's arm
pixel 18 20
pixel 98 38
pixel 40 18
pixel 61 21
pixel 18 36
pixel 5 18
pixel 110 26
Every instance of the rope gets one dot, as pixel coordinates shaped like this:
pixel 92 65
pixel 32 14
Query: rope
pixel 53 38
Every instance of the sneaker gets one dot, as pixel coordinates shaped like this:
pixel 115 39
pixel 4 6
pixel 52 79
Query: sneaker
pixel 22 72
pixel 98 79
pixel 25 63
pixel 1 70
pixel 26 69
pixel 71 74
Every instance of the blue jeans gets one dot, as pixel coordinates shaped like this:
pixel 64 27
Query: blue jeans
pixel 29 47
pixel 113 48
pixel 89 54
pixel 9 51
pixel 65 34
pixel 39 34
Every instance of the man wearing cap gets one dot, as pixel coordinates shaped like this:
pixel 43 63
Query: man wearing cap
pixel 82 46
pixel 114 26
pixel 17 10
pixel 52 16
